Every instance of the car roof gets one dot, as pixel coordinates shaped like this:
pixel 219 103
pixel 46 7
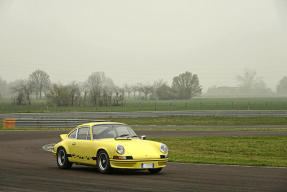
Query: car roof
pixel 96 123
pixel 99 123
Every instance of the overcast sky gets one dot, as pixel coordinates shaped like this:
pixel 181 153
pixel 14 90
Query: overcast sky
pixel 142 41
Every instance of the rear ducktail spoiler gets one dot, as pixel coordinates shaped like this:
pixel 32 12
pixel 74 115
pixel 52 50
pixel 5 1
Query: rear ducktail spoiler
pixel 63 136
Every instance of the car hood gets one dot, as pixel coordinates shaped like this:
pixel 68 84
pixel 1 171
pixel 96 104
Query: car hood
pixel 140 149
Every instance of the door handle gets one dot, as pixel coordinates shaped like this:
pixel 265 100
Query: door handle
pixel 74 143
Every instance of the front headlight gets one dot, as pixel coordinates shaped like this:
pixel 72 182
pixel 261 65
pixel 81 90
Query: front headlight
pixel 120 149
pixel 163 148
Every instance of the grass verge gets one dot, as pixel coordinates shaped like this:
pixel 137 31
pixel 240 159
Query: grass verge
pixel 203 121
pixel 252 151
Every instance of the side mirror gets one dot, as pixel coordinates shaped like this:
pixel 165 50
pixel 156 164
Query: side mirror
pixel 143 137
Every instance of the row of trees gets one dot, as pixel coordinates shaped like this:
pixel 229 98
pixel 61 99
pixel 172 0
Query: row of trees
pixel 99 90
pixel 21 90
pixel 184 86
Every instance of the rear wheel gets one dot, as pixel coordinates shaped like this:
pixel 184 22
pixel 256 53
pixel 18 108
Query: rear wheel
pixel 103 162
pixel 62 159
pixel 154 171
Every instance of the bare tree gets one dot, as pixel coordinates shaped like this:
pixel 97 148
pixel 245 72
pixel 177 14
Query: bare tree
pixel 186 85
pixel 156 85
pixel 248 80
pixel 164 92
pixel 250 84
pixel 146 89
pixel 99 86
pixel 84 89
pixel 75 93
pixel 22 90
pixel 3 88
pixel 40 82
pixel 134 90
pixel 282 86
pixel 64 95
pixel 128 89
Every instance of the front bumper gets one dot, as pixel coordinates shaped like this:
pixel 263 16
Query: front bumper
pixel 137 164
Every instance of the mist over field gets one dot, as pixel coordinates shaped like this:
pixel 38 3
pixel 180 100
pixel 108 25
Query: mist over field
pixel 143 41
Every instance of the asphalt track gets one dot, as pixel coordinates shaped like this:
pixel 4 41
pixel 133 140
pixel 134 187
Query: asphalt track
pixel 101 115
pixel 24 166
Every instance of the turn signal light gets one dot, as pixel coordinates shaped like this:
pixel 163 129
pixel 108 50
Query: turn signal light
pixel 122 157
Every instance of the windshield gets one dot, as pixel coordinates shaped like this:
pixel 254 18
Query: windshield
pixel 112 131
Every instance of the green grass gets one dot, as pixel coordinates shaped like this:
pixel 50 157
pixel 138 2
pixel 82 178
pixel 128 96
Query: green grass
pixel 211 129
pixel 203 121
pixel 253 151
pixel 260 103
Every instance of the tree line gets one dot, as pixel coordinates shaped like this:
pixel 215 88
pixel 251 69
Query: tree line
pixel 100 90
pixel 97 90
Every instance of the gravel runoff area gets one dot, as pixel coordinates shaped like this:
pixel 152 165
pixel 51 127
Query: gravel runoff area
pixel 26 167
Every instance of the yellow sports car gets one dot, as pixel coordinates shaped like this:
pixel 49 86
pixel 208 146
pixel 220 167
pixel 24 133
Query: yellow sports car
pixel 109 145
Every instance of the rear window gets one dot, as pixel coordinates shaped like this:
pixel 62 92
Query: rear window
pixel 84 133
pixel 73 134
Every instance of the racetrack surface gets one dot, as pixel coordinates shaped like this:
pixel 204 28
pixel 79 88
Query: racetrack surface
pixel 24 166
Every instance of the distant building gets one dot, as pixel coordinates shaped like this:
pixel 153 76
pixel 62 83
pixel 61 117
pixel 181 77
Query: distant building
pixel 237 91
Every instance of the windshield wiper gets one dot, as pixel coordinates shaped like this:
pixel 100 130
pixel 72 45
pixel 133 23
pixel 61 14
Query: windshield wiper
pixel 123 135
pixel 135 136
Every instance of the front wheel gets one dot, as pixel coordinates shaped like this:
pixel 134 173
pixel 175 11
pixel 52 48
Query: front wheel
pixel 103 162
pixel 62 159
pixel 154 171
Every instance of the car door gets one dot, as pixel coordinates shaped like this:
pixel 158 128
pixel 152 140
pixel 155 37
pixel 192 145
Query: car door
pixel 83 145
pixel 71 144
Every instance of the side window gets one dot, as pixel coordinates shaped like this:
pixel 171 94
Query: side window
pixel 73 134
pixel 84 133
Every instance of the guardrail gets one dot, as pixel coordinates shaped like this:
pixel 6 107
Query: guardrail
pixel 45 123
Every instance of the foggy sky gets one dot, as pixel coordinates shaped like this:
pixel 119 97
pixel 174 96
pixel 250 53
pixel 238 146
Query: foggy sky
pixel 142 41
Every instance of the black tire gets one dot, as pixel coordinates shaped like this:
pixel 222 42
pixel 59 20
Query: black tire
pixel 154 171
pixel 62 159
pixel 103 162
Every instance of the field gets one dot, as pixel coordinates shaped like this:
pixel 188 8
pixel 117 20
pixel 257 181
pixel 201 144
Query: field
pixel 259 103
pixel 255 151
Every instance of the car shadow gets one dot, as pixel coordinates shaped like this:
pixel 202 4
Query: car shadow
pixel 92 169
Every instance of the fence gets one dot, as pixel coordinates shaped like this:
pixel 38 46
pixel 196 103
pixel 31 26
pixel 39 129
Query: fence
pixel 44 123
